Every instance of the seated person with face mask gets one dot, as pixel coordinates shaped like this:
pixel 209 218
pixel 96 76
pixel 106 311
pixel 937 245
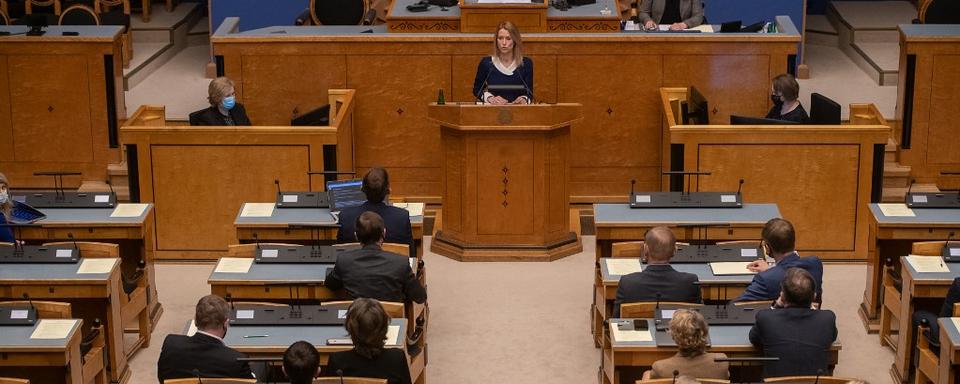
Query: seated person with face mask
pixel 224 108
pixel 784 93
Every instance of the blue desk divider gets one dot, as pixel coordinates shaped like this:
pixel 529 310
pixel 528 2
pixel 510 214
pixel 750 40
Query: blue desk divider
pixel 752 11
pixel 255 14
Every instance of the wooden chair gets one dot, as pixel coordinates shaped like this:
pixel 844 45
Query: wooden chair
pixel 671 381
pixel 45 309
pixel 890 310
pixel 348 380
pixel 11 380
pixel 146 4
pixel 928 363
pixel 29 4
pixel 209 381
pixel 117 12
pixel 939 12
pixel 400 249
pixel 79 14
pixel 342 12
pixel 133 305
pixel 644 310
pixel 811 380
pixel 244 304
pixel 393 309
pixel 247 250
pixel 627 249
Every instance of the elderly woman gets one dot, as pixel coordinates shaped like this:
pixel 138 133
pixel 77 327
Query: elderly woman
pixel 367 324
pixel 689 330
pixel 224 108
pixel 6 205
pixel 784 93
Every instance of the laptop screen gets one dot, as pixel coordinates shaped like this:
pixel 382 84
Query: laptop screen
pixel 345 194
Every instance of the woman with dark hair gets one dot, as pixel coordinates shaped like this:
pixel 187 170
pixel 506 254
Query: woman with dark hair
pixel 6 205
pixel 506 66
pixel 367 323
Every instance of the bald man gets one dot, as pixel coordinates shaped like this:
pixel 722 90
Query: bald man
pixel 658 281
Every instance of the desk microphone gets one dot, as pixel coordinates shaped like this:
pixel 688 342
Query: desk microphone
pixel 675 374
pixel 816 380
pixel 740 187
pixel 949 236
pixel 527 87
pixel 196 372
pixel 29 301
pixel 340 373
pixel 633 182
pixel 229 299
pixel 75 246
pixel 483 87
pixel 910 187
pixel 658 301
pixel 256 240
pixel 111 187
pixel 277 182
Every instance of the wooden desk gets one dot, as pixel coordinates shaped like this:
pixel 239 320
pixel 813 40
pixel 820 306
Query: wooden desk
pixel 712 287
pixel 926 93
pixel 619 138
pixel 619 222
pixel 61 98
pixel 92 295
pixel 731 340
pixel 133 234
pixel 916 286
pixel 219 168
pixel 949 350
pixel 20 351
pixel 892 237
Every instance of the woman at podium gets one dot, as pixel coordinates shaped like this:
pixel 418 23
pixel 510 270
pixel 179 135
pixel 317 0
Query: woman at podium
pixel 506 77
pixel 6 206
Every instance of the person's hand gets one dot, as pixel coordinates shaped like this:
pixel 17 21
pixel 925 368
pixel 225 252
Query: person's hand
pixel 758 266
pixel 779 302
pixel 650 25
pixel 497 100
pixel 678 26
pixel 519 100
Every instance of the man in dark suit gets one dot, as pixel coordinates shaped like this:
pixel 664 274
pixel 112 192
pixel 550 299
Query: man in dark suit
pixel 797 334
pixel 224 109
pixel 376 185
pixel 203 354
pixel 778 241
pixel 371 272
pixel 658 281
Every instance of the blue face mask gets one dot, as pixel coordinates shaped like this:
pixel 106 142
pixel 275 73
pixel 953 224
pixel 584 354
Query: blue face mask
pixel 228 102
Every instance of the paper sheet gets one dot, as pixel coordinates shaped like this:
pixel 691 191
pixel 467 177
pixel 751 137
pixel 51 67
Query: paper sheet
pixel 53 329
pixel 233 265
pixel 623 266
pixel 731 268
pixel 393 334
pixel 896 210
pixel 415 209
pixel 192 329
pixel 629 335
pixel 257 210
pixel 96 266
pixel 129 210
pixel 927 264
pixel 705 28
pixel 956 322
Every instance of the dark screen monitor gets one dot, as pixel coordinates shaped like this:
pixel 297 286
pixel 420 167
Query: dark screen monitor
pixel 747 120
pixel 694 109
pixel 731 26
pixel 319 117
pixel 824 111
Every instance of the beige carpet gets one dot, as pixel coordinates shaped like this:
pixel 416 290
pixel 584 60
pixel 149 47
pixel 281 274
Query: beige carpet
pixel 520 322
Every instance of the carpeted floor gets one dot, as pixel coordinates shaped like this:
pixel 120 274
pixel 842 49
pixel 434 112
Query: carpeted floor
pixel 520 322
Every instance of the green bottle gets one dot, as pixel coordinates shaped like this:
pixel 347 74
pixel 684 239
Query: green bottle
pixel 440 99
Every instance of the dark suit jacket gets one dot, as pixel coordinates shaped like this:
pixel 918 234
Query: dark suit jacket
pixel 390 365
pixel 766 284
pixel 643 286
pixel 396 220
pixel 691 11
pixel 6 233
pixel 212 116
pixel 800 337
pixel 181 354
pixel 371 272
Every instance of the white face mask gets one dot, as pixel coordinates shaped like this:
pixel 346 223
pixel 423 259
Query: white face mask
pixel 4 197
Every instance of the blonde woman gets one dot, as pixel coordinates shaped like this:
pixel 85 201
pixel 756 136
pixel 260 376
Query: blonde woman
pixel 6 205
pixel 224 108
pixel 507 66
pixel 691 333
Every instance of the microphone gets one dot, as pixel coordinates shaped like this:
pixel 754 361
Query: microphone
pixel 229 299
pixel 483 87
pixel 30 301
pixel 658 301
pixel 340 373
pixel 111 188
pixel 257 241
pixel 526 87
pixel 75 246
pixel 196 372
pixel 277 182
pixel 675 374
pixel 909 188
pixel 949 236
pixel 632 183
pixel 740 187
pixel 816 380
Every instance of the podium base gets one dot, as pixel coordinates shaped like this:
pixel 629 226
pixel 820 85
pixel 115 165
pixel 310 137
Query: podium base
pixel 443 245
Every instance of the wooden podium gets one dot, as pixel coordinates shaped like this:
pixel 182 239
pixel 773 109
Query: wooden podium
pixel 506 178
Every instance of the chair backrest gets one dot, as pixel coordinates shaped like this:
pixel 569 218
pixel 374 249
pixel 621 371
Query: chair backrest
pixel 90 249
pixel 11 380
pixel 928 248
pixel 812 379
pixel 247 250
pixel 754 303
pixel 940 12
pixel 644 310
pixel 29 4
pixel 100 5
pixel 348 380
pixel 627 249
pixel 400 249
pixel 338 12
pixel 45 309
pixel 393 309
pixel 242 304
pixel 209 381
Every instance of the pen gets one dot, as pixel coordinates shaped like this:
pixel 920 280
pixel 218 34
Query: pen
pixel 252 336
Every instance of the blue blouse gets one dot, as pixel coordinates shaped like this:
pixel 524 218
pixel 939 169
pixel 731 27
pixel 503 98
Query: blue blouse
pixel 488 73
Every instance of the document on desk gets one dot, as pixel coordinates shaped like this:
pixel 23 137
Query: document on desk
pixel 96 266
pixel 129 210
pixel 896 210
pixel 928 264
pixel 629 335
pixel 731 268
pixel 623 266
pixel 393 335
pixel 257 210
pixel 49 329
pixel 233 265
pixel 415 209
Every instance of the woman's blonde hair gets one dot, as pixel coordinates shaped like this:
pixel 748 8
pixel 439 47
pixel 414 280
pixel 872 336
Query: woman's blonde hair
pixel 689 330
pixel 515 36
pixel 219 88
pixel 5 208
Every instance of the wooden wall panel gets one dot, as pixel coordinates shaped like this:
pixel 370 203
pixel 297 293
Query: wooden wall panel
pixel 831 183
pixel 6 121
pixel 722 79
pixel 57 109
pixel 943 132
pixel 272 92
pixel 179 186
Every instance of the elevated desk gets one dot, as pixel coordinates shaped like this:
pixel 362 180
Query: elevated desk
pixel 133 234
pixel 473 18
pixel 916 285
pixel 825 175
pixel 733 340
pixel 619 138
pixel 20 351
pixel 66 118
pixel 892 237
pixel 202 175
pixel 619 222
pixel 94 295
pixel 949 350
pixel 926 93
